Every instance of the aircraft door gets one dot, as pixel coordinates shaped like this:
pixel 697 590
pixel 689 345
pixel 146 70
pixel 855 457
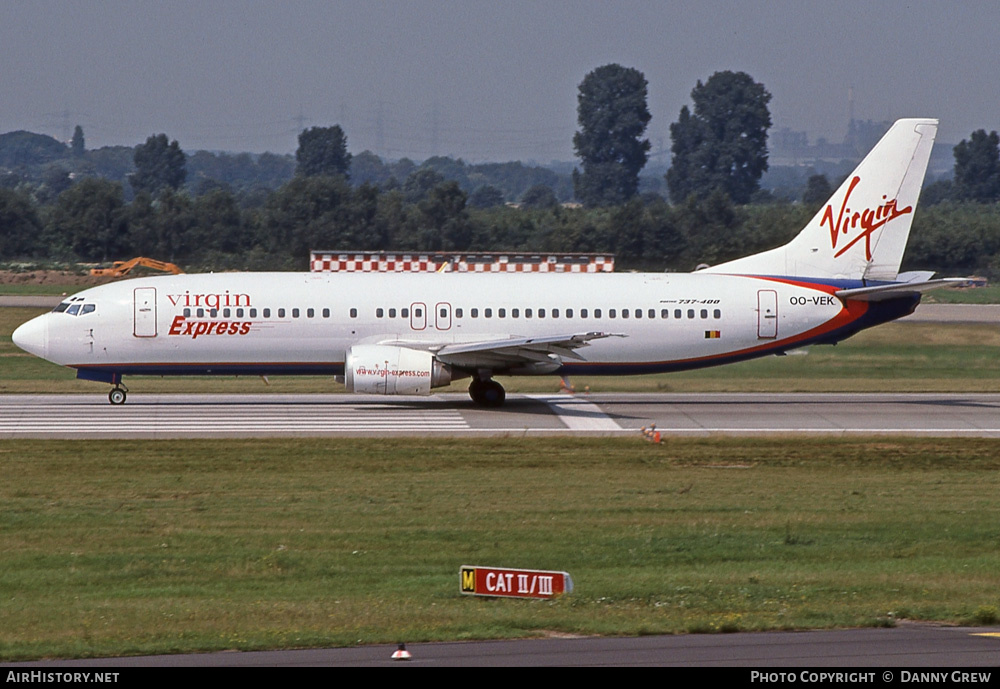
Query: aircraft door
pixel 767 314
pixel 418 316
pixel 145 312
pixel 442 316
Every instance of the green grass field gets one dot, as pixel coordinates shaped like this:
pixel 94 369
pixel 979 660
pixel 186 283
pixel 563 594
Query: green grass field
pixel 140 547
pixel 128 547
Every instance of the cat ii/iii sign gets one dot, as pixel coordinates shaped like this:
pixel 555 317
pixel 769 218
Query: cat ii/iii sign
pixel 516 583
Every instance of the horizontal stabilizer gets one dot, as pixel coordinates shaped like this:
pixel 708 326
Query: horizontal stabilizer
pixel 901 289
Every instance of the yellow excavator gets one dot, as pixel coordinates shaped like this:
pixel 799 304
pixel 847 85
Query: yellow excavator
pixel 122 268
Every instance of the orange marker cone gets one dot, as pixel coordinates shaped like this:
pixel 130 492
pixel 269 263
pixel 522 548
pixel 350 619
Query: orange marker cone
pixel 401 653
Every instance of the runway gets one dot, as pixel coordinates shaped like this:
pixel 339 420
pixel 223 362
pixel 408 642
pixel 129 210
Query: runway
pixel 454 415
pixel 906 646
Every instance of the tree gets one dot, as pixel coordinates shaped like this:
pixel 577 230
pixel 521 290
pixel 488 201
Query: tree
pixel 89 219
pixel 443 219
pixel 20 228
pixel 977 168
pixel 323 151
pixel 723 144
pixel 818 190
pixel 486 196
pixel 539 196
pixel 612 113
pixel 77 144
pixel 159 164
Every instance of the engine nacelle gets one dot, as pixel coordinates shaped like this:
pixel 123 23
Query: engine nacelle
pixel 388 370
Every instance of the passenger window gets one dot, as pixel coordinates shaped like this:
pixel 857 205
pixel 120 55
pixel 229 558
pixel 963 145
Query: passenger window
pixel 267 313
pixel 704 313
pixel 664 313
pixel 612 313
pixel 200 313
pixel 555 313
pixel 239 313
pixel 253 313
pixel 527 313
pixel 583 313
pixel 677 313
pixel 652 313
pixel 225 313
pixel 354 313
pixel 597 313
pixel 690 313
pixel 281 313
pixel 214 313
pixel 418 313
pixel 187 313
pixel 638 313
pixel 541 313
pixel 717 313
pixel 392 313
pixel 624 313
pixel 474 313
pixel 458 313
pixel 326 313
pixel 405 313
pixel 569 313
pixel 502 313
pixel 379 312
pixel 295 313
pixel 310 313
pixel 488 313
pixel 515 313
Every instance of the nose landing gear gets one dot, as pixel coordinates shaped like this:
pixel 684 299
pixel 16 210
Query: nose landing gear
pixel 117 394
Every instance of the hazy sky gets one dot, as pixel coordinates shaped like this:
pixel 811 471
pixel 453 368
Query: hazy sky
pixel 478 80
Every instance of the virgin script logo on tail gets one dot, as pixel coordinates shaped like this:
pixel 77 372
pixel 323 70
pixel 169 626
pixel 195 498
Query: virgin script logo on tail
pixel 867 221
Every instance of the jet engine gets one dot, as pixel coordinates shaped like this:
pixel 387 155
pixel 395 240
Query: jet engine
pixel 388 370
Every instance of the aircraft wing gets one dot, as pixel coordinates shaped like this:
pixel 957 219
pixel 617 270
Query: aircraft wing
pixel 513 352
pixel 883 292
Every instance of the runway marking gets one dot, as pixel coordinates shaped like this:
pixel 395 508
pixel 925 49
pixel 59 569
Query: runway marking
pixel 578 414
pixel 83 420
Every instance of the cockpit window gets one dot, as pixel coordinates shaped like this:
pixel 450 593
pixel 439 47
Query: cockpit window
pixel 72 309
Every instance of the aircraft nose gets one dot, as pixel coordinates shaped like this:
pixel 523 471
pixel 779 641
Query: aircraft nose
pixel 33 336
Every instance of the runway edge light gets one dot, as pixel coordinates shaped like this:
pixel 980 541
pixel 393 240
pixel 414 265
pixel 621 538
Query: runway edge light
pixel 475 580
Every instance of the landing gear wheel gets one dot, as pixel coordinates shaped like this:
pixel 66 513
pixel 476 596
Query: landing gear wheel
pixel 117 396
pixel 487 393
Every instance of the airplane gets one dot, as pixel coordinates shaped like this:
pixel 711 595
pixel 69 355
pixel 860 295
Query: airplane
pixel 408 333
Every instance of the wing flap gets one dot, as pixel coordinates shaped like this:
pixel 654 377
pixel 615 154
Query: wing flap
pixel 514 351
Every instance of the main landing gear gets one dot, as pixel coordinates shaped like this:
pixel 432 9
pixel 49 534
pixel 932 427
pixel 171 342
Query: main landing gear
pixel 117 394
pixel 487 393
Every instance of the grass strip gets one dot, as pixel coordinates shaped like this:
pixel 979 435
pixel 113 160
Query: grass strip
pixel 135 547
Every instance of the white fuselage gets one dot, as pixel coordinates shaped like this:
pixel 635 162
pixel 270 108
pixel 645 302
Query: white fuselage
pixel 271 323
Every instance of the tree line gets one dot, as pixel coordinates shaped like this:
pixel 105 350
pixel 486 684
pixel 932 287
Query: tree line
pixel 220 211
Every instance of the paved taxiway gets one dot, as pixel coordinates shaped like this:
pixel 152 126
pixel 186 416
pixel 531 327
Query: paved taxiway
pixel 908 646
pixel 674 414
